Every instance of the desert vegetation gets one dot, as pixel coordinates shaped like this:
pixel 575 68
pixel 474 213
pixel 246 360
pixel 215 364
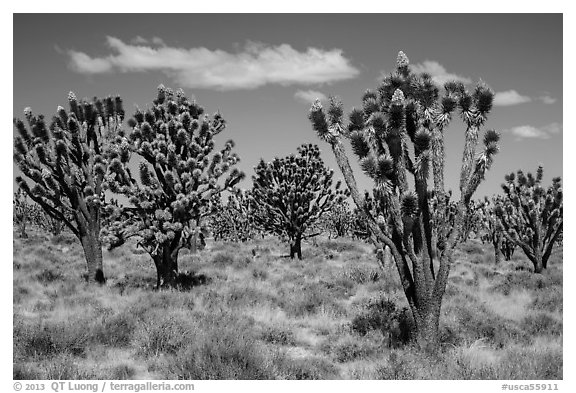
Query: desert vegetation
pixel 401 281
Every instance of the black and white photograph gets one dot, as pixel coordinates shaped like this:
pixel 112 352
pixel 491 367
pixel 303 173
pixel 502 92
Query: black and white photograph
pixel 287 196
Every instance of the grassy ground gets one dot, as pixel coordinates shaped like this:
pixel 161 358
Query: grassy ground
pixel 334 315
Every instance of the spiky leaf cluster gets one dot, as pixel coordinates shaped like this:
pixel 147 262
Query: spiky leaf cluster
pixel 180 170
pixel 291 193
pixel 530 214
pixel 65 161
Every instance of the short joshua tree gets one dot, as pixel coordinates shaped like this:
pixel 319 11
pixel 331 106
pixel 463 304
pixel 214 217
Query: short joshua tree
pixel 531 216
pixel 173 145
pixel 66 164
pixel 398 135
pixel 290 194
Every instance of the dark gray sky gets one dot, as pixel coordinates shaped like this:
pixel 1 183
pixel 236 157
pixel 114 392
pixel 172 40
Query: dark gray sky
pixel 262 71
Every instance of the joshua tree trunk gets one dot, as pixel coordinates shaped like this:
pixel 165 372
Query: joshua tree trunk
pixel 296 247
pixel 90 239
pixel 497 243
pixel 537 261
pixel 427 327
pixel 166 261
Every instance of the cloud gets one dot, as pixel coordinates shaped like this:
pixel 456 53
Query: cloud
pixel 139 40
pixel 253 66
pixel 544 132
pixel 309 96
pixel 438 72
pixel 509 98
pixel 547 99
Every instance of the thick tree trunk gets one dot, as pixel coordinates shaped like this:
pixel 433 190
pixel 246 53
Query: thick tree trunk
pixel 296 247
pixel 166 262
pixel 427 331
pixel 537 261
pixel 497 243
pixel 90 239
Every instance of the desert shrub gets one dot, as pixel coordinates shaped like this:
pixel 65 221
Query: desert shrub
pixel 361 274
pixel 310 368
pixel 223 259
pixel 121 372
pixel 277 334
pixel 542 324
pixel 475 323
pixel 349 348
pixel 339 246
pixel 383 315
pixel 44 338
pixel 397 367
pixel 521 280
pixel 216 350
pixel 339 287
pixel 116 330
pixel 65 366
pixel 549 299
pixel 308 299
pixel 160 334
pixel 472 248
pixel 259 274
pixel 531 363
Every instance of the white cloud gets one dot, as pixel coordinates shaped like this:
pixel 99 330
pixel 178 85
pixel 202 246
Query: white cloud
pixel 543 132
pixel 309 96
pixel 139 40
pixel 158 41
pixel 438 72
pixel 253 66
pixel 547 99
pixel 510 97
pixel 553 128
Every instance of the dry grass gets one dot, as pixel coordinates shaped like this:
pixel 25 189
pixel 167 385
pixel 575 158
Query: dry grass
pixel 262 316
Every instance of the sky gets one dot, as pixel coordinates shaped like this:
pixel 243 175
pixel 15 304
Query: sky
pixel 262 72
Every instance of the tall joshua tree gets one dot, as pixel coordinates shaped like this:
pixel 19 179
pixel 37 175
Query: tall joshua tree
pixel 396 135
pixel 291 193
pixel 66 164
pixel 173 144
pixel 531 216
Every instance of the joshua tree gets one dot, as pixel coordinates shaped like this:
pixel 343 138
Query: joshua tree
pixel 22 213
pixel 66 165
pixel 531 216
pixel 51 224
pixel 232 221
pixel 407 110
pixel 338 220
pixel 491 230
pixel 174 148
pixel 291 193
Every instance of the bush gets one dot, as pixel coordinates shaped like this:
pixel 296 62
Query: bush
pixel 362 275
pixel 278 335
pixel 220 352
pixel 223 259
pixel 542 324
pixel 383 315
pixel 310 368
pixel 160 334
